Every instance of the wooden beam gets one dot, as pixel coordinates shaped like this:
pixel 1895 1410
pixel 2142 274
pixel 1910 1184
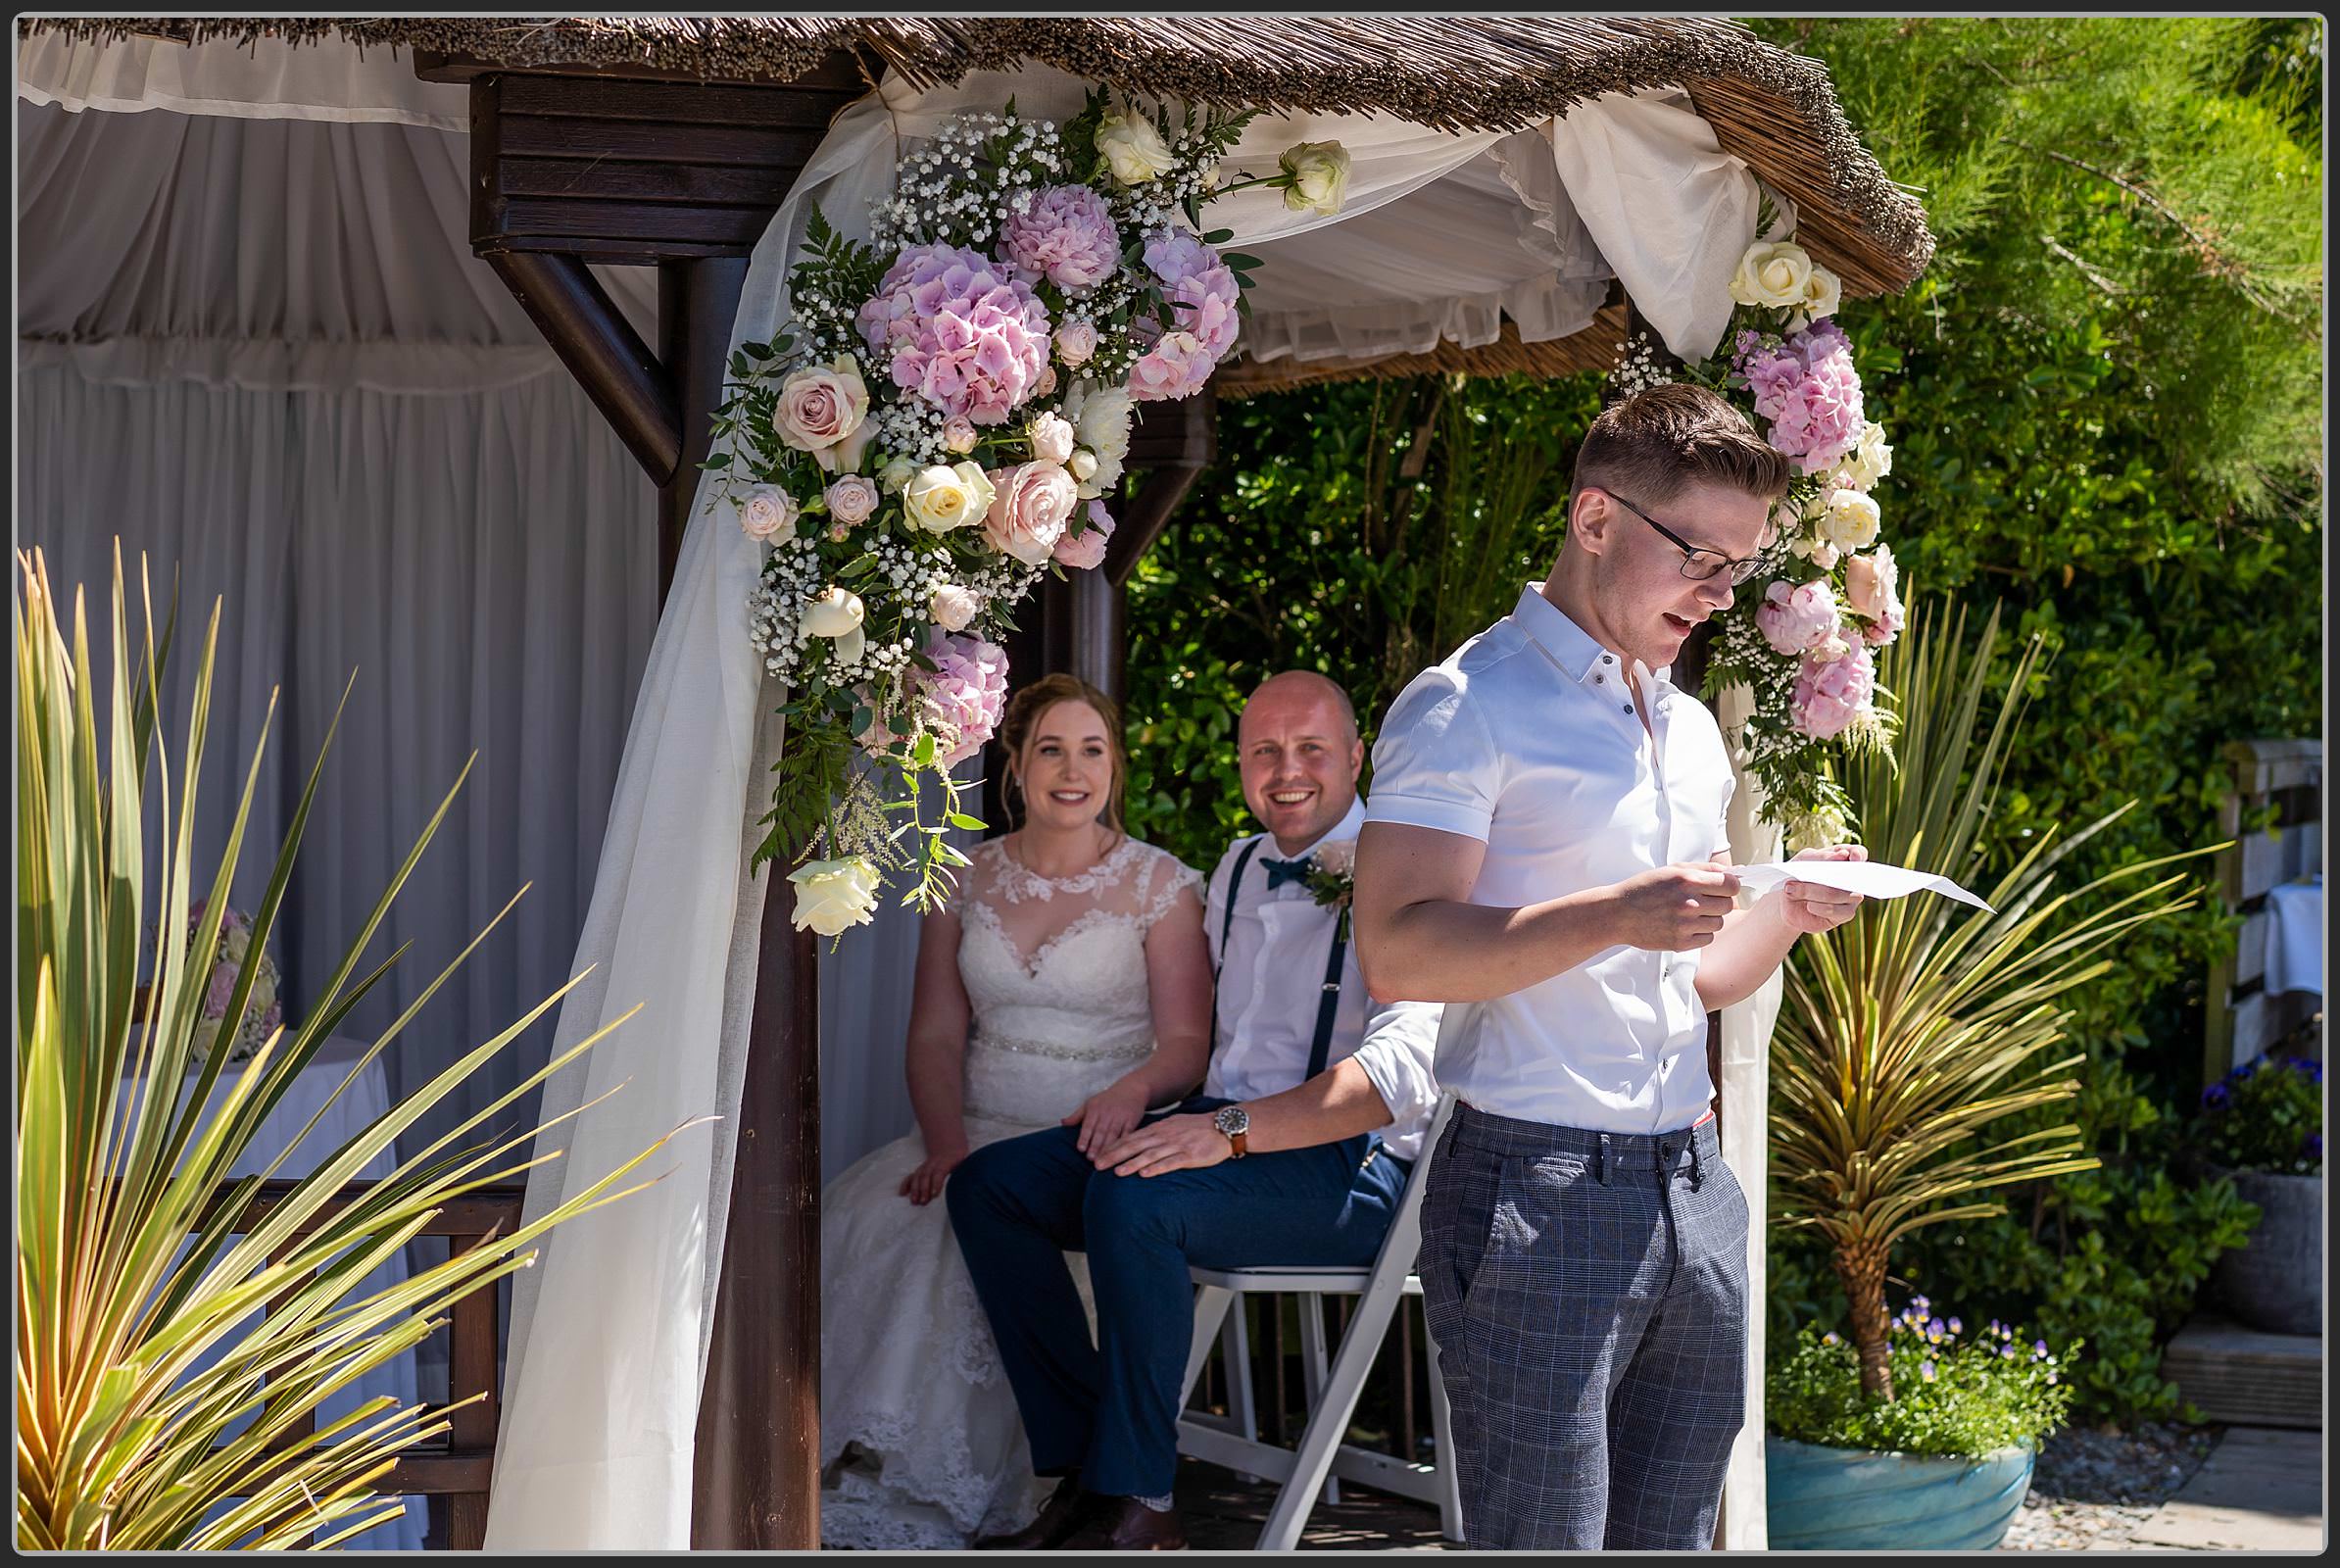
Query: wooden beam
pixel 1173 443
pixel 603 351
pixel 757 1456
pixel 698 301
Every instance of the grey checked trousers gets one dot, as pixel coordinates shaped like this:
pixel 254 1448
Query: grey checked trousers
pixel 1588 1293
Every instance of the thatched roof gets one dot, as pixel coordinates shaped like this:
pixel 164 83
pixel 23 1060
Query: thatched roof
pixel 1774 109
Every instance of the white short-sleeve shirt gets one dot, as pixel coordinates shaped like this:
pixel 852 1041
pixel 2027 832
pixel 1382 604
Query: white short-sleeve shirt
pixel 1530 739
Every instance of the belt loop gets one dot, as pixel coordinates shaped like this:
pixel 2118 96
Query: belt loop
pixel 1603 1157
pixel 1697 1167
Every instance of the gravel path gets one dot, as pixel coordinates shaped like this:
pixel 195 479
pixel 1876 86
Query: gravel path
pixel 2095 1486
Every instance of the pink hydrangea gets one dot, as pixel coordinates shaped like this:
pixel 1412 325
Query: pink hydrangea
pixel 1808 391
pixel 965 692
pixel 1067 235
pixel 1086 550
pixel 221 992
pixel 958 331
pixel 1796 620
pixel 1176 366
pixel 1205 306
pixel 1175 256
pixel 1829 694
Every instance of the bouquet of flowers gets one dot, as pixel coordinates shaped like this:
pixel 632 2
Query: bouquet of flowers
pixel 943 421
pixel 1801 642
pixel 264 1011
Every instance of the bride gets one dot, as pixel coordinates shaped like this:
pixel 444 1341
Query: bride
pixel 1067 983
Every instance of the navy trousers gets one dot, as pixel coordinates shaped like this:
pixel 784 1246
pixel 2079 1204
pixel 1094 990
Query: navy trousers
pixel 1109 1409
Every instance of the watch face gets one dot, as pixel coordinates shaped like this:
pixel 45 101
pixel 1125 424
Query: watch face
pixel 1232 1119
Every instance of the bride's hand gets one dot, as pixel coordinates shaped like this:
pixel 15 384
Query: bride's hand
pixel 925 1184
pixel 1108 1115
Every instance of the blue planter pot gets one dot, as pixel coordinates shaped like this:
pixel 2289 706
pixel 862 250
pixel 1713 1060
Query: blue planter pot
pixel 1848 1499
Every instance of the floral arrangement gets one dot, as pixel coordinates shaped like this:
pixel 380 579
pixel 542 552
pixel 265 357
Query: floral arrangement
pixel 1954 1394
pixel 943 420
pixel 2267 1114
pixel 1803 639
pixel 264 1011
pixel 1332 878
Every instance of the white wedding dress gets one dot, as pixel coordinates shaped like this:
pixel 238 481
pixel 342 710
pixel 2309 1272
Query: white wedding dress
pixel 922 1446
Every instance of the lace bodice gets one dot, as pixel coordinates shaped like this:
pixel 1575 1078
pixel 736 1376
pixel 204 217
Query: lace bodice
pixel 1055 975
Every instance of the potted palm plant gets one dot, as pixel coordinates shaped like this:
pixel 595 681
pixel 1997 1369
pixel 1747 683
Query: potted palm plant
pixel 170 1352
pixel 1909 1041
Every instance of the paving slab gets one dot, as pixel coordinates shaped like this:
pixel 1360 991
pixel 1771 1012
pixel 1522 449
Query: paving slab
pixel 2262 1490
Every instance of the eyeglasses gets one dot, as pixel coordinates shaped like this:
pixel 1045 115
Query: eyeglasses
pixel 1697 563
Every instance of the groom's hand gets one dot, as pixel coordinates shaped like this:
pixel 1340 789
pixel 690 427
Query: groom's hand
pixel 1675 907
pixel 1175 1143
pixel 1811 908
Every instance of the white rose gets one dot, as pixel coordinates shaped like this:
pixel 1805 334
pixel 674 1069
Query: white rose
pixel 952 607
pixel 1100 417
pixel 832 894
pixel 939 499
pixel 1823 292
pixel 1319 171
pixel 1052 439
pixel 768 513
pixel 1848 520
pixel 1133 149
pixel 896 476
pixel 1772 272
pixel 837 615
pixel 1083 465
pixel 1870 460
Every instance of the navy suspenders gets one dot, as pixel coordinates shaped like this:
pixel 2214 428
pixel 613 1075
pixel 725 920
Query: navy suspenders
pixel 1327 1006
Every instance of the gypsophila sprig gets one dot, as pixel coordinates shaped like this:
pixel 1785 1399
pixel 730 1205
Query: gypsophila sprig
pixel 1802 636
pixel 942 420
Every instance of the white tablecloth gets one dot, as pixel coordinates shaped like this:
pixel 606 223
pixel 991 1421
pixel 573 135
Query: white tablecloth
pixel 351 1111
pixel 2295 937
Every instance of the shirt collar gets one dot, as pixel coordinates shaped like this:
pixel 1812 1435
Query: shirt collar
pixel 1574 649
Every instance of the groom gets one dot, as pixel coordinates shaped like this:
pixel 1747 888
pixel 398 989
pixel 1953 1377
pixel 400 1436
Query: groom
pixel 1316 1103
pixel 1547 849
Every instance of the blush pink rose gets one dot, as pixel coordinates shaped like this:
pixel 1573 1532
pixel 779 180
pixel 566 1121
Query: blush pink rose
pixel 852 500
pixel 824 411
pixel 1076 341
pixel 1031 504
pixel 1085 551
pixel 1176 366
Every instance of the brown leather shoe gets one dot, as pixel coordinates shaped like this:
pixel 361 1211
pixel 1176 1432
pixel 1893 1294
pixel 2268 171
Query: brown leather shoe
pixel 1124 1524
pixel 1066 1509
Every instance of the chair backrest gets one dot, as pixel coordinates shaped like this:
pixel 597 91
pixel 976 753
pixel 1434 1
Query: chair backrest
pixel 1405 1226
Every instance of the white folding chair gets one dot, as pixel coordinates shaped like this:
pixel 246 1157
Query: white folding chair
pixel 1332 1388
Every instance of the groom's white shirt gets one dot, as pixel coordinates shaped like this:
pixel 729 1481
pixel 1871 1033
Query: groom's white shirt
pixel 1529 740
pixel 1271 979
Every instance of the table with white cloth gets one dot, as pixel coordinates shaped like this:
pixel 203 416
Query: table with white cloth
pixel 2295 936
pixel 364 1100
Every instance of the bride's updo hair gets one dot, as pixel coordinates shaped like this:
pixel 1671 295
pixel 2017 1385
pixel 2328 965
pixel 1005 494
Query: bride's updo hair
pixel 1025 710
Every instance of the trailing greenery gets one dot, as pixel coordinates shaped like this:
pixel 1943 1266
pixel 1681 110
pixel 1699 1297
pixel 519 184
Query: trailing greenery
pixel 1962 1395
pixel 2105 395
pixel 132 1262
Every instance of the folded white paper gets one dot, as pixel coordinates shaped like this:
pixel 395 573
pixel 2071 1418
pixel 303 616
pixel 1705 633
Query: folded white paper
pixel 1870 878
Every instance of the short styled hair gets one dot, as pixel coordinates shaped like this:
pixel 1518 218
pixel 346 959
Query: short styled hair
pixel 1648 447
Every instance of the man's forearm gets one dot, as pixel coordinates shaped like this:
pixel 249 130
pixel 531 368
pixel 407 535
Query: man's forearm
pixel 1339 1102
pixel 1444 950
pixel 1752 944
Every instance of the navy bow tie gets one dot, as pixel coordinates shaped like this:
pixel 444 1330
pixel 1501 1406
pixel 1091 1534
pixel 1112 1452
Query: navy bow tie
pixel 1283 871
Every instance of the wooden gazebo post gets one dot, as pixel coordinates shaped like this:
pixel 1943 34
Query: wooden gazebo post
pixel 626 165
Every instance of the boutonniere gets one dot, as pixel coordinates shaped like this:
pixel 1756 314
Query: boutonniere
pixel 1332 878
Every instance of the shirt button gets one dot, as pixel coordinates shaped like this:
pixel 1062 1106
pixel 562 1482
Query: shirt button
pixel 1629 708
pixel 1607 660
pixel 1598 679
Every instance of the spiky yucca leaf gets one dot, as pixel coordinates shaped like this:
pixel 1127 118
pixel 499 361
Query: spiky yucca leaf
pixel 129 1272
pixel 1908 1035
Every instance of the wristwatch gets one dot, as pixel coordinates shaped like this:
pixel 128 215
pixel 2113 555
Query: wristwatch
pixel 1236 1123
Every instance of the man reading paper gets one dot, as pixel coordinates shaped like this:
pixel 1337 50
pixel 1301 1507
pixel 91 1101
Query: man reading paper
pixel 1546 847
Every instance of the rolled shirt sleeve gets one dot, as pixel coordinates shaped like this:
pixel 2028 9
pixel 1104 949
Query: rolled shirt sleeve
pixel 1436 764
pixel 1401 1038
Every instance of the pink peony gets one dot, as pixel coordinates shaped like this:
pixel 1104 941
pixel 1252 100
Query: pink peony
pixel 1086 549
pixel 1176 366
pixel 958 331
pixel 1796 620
pixel 963 695
pixel 1066 234
pixel 1205 306
pixel 1031 504
pixel 1829 694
